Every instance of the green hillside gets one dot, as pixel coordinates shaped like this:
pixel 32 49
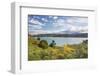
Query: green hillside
pixel 40 50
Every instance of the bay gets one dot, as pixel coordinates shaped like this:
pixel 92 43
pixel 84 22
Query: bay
pixel 60 41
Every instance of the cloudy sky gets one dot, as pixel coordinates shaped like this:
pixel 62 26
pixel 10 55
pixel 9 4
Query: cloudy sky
pixel 41 24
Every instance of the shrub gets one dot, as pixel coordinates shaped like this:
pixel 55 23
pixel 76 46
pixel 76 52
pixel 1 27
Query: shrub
pixel 46 58
pixel 43 44
pixel 60 56
pixel 38 38
pixel 52 44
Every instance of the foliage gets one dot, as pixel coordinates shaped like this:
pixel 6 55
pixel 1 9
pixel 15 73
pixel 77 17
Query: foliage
pixel 43 44
pixel 38 38
pixel 52 44
pixel 39 50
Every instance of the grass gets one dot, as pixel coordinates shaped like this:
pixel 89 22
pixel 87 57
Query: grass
pixel 57 52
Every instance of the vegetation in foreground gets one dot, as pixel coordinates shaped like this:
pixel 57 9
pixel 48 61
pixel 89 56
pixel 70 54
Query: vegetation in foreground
pixel 40 50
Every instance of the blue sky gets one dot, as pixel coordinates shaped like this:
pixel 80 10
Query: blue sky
pixel 41 24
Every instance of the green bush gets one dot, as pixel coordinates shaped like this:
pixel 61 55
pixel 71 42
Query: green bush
pixel 38 38
pixel 43 44
pixel 52 44
pixel 60 56
pixel 40 50
pixel 46 58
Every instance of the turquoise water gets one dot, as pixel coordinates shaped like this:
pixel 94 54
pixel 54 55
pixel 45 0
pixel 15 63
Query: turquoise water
pixel 63 40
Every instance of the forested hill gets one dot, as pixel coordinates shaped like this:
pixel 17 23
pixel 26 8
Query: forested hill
pixel 62 35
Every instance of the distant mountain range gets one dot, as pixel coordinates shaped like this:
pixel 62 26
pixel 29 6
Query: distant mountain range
pixel 75 34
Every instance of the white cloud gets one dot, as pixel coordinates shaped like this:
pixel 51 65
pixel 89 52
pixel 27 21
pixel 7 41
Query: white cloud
pixel 71 24
pixel 82 20
pixel 34 26
pixel 37 27
pixel 78 28
pixel 78 24
pixel 55 17
pixel 44 19
pixel 60 23
pixel 36 22
pixel 77 20
pixel 50 16
pixel 35 32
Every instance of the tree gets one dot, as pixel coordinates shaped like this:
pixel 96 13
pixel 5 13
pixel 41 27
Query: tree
pixel 43 44
pixel 38 38
pixel 85 41
pixel 52 44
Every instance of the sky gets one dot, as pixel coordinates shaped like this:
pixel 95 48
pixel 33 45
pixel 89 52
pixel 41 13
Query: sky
pixel 42 24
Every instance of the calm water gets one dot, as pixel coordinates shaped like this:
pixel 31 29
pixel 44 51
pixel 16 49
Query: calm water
pixel 63 40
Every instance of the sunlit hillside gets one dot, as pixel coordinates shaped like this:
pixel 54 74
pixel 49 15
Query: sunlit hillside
pixel 40 50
